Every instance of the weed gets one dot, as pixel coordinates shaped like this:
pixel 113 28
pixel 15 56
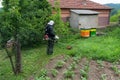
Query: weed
pixel 60 64
pixel 72 66
pixel 100 63
pixel 83 73
pixel 43 72
pixel 54 72
pixel 76 59
pixel 68 74
pixel 73 52
pixel 66 58
pixel 42 78
pixel 114 68
pixel 103 77
pixel 68 79
pixel 86 68
pixel 83 78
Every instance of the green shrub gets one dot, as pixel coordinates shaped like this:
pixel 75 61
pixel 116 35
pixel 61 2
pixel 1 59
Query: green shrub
pixel 115 17
pixel 115 32
pixel 26 19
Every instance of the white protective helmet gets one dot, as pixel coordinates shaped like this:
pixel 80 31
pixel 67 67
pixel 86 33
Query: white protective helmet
pixel 51 22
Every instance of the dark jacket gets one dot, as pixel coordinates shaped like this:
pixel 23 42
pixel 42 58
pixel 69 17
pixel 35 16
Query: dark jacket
pixel 49 31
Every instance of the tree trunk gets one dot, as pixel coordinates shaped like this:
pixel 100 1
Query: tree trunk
pixel 18 56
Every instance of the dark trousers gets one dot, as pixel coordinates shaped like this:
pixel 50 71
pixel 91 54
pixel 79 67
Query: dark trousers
pixel 50 47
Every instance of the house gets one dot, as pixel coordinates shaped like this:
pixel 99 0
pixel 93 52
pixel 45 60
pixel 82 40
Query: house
pixel 68 5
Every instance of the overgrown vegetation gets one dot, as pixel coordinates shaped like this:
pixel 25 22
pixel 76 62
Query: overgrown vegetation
pixel 27 18
pixel 26 26
pixel 115 17
pixel 101 48
pixel 31 26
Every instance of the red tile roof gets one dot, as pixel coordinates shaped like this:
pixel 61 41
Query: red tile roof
pixel 79 4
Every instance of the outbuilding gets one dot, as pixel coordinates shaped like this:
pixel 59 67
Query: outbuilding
pixel 84 19
pixel 67 5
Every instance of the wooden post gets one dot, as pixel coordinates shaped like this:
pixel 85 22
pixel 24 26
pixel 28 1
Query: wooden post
pixel 9 50
pixel 119 20
pixel 18 56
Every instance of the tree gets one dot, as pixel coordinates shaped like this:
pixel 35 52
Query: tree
pixel 115 18
pixel 10 25
pixel 33 15
pixel 23 20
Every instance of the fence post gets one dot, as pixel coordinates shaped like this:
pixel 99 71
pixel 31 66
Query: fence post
pixel 119 20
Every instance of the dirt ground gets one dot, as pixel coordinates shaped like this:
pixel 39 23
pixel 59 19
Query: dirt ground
pixel 73 68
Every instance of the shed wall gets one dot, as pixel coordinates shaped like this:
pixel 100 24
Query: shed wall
pixel 74 19
pixel 86 21
pixel 103 17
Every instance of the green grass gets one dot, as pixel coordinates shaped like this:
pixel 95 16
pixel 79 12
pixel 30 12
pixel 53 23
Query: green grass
pixel 33 60
pixel 105 48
